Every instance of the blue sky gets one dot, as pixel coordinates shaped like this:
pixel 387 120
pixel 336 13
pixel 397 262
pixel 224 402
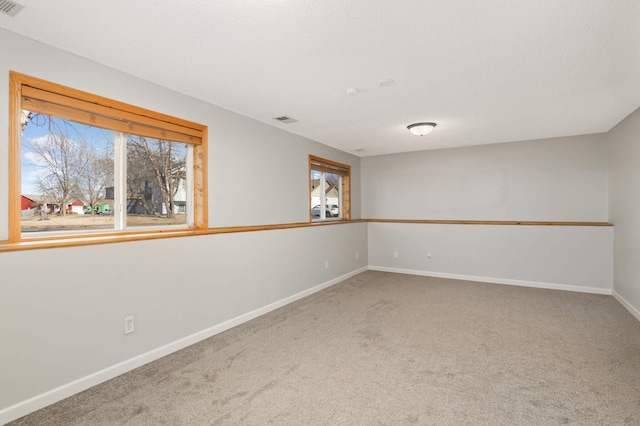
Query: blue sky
pixel 37 130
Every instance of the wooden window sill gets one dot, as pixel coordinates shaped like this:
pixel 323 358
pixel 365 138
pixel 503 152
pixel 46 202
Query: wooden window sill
pixel 86 240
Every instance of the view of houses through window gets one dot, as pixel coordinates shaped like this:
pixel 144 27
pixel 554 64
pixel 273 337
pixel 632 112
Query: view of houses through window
pixel 325 191
pixel 329 185
pixel 77 177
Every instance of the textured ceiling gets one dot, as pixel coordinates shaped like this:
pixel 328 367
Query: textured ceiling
pixel 486 71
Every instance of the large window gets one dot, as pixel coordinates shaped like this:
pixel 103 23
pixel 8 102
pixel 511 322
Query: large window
pixel 82 164
pixel 329 186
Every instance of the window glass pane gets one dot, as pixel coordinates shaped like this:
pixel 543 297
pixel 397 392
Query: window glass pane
pixel 156 182
pixel 325 191
pixel 66 173
pixel 332 194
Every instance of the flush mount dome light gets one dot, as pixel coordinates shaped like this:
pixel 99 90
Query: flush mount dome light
pixel 421 129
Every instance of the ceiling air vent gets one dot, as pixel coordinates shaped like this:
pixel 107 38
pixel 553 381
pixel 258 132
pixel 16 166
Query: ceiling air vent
pixel 10 8
pixel 283 119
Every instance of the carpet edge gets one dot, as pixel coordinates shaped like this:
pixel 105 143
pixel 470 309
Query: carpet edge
pixel 628 306
pixel 504 281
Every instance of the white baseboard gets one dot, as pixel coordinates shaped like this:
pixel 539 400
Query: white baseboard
pixel 47 398
pixel 521 283
pixel 628 306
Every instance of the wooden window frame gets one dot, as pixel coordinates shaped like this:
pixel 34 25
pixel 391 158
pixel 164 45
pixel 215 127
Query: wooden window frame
pixel 344 170
pixel 64 102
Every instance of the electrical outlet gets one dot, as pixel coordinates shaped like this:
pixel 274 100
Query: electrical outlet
pixel 326 264
pixel 129 325
pixel 357 255
pixel 395 254
pixel 428 257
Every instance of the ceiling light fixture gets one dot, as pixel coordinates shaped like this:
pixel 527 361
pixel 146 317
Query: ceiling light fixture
pixel 421 129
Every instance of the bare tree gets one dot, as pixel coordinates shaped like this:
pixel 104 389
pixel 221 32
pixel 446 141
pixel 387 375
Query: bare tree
pixel 98 174
pixel 62 162
pixel 332 180
pixel 140 178
pixel 165 160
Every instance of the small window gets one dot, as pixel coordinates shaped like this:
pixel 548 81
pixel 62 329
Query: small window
pixel 83 164
pixel 329 186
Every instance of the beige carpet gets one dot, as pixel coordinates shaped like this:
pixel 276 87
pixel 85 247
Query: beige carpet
pixel 391 349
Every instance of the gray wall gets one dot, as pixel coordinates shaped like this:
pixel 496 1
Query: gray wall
pixel 563 179
pixel 558 257
pixel 62 310
pixel 624 208
pixel 260 173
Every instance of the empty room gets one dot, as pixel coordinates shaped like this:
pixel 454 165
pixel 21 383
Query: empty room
pixel 319 212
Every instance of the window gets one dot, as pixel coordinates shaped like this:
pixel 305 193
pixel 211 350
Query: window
pixel 83 164
pixel 330 189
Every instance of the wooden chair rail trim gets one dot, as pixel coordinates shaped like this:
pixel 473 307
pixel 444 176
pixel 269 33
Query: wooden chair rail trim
pixel 120 237
pixel 490 222
pixel 110 238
